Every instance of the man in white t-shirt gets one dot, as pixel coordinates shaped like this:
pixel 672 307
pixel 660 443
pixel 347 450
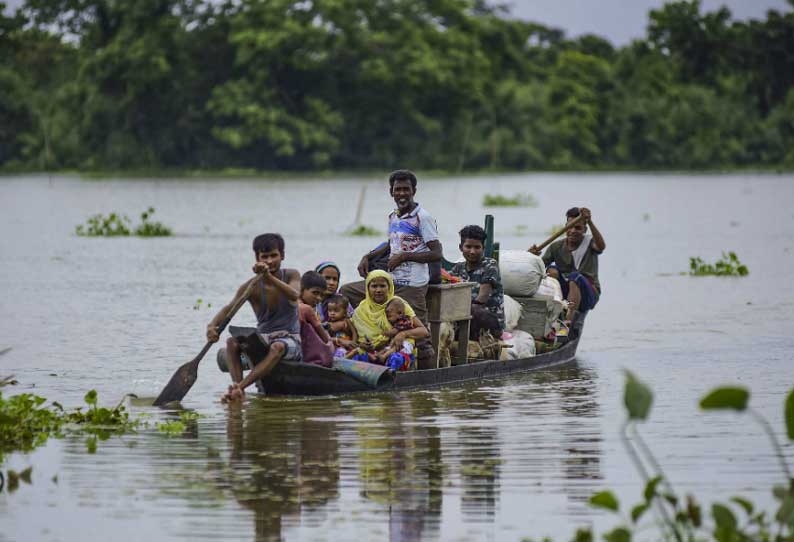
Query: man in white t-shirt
pixel 413 244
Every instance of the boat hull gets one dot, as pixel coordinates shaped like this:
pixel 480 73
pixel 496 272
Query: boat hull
pixel 292 378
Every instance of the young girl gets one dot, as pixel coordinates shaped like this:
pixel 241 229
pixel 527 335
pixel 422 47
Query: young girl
pixel 341 329
pixel 399 354
pixel 330 272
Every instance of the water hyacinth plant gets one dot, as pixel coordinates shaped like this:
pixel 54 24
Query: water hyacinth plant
pixel 117 225
pixel 518 200
pixel 728 266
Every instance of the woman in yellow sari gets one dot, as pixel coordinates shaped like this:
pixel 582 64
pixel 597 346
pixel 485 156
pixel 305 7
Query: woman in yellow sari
pixel 372 325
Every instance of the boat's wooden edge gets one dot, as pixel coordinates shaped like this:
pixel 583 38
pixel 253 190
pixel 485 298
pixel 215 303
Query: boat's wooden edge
pixel 319 380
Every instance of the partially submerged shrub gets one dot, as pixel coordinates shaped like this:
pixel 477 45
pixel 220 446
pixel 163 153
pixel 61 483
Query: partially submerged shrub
pixel 518 200
pixel 151 229
pixel 728 266
pixel 363 231
pixel 113 225
pixel 116 225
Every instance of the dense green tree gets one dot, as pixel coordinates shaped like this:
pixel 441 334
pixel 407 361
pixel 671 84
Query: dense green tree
pixel 446 84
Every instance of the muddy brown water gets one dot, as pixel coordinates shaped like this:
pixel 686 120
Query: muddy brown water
pixel 499 460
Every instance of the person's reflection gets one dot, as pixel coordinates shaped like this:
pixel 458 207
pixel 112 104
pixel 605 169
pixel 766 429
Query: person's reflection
pixel 580 432
pixel 283 465
pixel 479 449
pixel 400 464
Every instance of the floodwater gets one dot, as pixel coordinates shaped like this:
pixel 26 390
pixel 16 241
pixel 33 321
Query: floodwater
pixel 500 460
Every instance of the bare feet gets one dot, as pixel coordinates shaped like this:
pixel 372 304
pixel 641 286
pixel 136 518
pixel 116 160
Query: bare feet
pixel 234 393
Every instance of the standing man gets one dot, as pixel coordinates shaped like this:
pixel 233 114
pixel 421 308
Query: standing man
pixel 573 261
pixel 413 244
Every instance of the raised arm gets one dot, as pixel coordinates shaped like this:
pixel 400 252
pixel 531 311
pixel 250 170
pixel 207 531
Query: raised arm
pixel 598 240
pixel 290 288
pixel 433 255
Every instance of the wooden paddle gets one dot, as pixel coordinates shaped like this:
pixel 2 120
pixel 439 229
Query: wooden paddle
pixel 184 377
pixel 556 234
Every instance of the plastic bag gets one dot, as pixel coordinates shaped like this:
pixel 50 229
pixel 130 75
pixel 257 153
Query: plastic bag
pixel 512 312
pixel 522 345
pixel 549 287
pixel 521 272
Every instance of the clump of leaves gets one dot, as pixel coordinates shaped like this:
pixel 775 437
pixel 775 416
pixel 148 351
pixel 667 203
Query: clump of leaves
pixel 363 231
pixel 26 422
pixel 518 200
pixel 117 225
pixel 151 229
pixel 113 225
pixel 728 266
pixel 682 519
pixel 174 428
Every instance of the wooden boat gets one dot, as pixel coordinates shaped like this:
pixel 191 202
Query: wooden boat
pixel 295 378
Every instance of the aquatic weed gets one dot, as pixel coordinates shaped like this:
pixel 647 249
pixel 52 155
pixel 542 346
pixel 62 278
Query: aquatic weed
pixel 151 229
pixel 728 266
pixel 518 200
pixel 362 231
pixel 118 225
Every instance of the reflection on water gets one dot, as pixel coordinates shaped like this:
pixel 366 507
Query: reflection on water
pixel 496 461
pixel 390 460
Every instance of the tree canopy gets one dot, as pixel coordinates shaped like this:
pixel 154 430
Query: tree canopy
pixel 351 84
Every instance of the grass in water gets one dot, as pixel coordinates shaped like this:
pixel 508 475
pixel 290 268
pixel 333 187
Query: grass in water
pixel 117 225
pixel 363 231
pixel 728 266
pixel 518 200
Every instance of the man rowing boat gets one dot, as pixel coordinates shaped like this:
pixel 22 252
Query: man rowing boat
pixel 274 299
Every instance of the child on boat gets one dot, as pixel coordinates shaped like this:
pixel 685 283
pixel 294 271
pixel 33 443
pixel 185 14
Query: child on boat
pixel 341 329
pixel 331 274
pixel 487 297
pixel 400 353
pixel 315 341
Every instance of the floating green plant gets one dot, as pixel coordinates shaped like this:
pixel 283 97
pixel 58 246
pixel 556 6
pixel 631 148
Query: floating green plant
pixel 518 200
pixel 151 229
pixel 113 225
pixel 26 422
pixel 728 266
pixel 363 231
pixel 118 225
pixel 199 303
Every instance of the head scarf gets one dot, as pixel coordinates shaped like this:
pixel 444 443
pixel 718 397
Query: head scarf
pixel 370 317
pixel 326 265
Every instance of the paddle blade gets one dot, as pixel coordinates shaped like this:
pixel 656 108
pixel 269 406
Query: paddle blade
pixel 180 383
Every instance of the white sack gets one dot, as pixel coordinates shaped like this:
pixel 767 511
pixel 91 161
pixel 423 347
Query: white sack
pixel 512 313
pixel 522 345
pixel 549 287
pixel 521 272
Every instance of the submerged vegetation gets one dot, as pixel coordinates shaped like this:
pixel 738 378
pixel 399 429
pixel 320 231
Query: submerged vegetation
pixel 681 518
pixel 727 266
pixel 363 231
pixel 255 85
pixel 519 200
pixel 116 225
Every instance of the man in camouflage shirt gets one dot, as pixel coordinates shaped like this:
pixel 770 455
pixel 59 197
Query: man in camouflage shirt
pixel 487 297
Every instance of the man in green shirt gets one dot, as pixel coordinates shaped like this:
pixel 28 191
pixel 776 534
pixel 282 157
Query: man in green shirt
pixel 573 261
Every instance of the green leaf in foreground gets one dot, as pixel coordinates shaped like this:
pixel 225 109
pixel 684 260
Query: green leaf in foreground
pixel 619 534
pixel 744 503
pixel 788 411
pixel 727 397
pixel 650 488
pixel 637 397
pixel 605 499
pixel 638 511
pixel 723 517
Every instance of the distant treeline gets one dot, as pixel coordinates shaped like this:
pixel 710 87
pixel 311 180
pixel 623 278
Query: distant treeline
pixel 361 84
